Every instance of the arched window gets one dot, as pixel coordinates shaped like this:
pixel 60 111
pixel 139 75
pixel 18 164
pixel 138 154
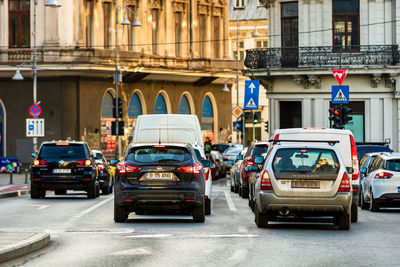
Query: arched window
pixel 135 106
pixel 207 119
pixel 107 141
pixel 184 106
pixel 160 106
pixel 207 109
pixel 107 105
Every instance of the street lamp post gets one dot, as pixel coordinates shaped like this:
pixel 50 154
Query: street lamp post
pixel 117 74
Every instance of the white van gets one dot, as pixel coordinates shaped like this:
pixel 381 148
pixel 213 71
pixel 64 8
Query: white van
pixel 346 147
pixel 174 128
pixel 168 128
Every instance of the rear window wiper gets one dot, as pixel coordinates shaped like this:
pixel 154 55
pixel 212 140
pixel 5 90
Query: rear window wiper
pixel 167 160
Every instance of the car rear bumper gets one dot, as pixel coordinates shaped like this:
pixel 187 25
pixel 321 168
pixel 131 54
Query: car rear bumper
pixel 268 201
pixel 63 183
pixel 389 199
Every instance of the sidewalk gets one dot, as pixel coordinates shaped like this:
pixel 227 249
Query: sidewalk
pixel 17 244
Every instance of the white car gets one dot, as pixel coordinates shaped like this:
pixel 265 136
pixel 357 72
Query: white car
pixel 208 190
pixel 381 186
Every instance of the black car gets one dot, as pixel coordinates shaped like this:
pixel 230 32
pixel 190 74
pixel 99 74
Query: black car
pixel 159 178
pixel 103 172
pixel 364 148
pixel 62 166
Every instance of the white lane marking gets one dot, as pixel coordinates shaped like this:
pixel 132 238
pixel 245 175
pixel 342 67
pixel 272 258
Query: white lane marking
pixel 5 187
pixel 135 251
pixel 149 236
pixel 229 201
pixel 238 255
pixel 233 235
pixel 90 209
pixel 90 231
pixel 40 207
pixel 242 229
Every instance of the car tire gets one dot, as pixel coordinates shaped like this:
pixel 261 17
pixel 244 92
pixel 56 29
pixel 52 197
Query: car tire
pixel 60 192
pixel 373 206
pixel 354 213
pixel 199 214
pixel 261 219
pixel 245 193
pixel 240 190
pixel 105 189
pixel 344 221
pixel 236 189
pixel 207 206
pixel 363 203
pixel 359 198
pixel 92 191
pixel 120 214
pixel 35 192
pixel 232 188
pixel 98 190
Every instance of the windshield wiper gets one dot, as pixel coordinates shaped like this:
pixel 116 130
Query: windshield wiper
pixel 167 160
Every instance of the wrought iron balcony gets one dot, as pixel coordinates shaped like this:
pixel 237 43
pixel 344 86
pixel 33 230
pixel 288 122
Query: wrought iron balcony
pixel 323 57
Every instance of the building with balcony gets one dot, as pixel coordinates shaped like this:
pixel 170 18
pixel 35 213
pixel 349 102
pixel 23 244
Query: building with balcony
pixel 248 28
pixel 308 39
pixel 176 61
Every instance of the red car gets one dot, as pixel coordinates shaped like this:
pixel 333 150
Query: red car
pixel 255 150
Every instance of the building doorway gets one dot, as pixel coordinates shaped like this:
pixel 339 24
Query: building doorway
pixel 290 114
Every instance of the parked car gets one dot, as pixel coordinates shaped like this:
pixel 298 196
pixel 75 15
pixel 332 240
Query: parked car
pixel 303 180
pixel 229 156
pixel 235 171
pixel 103 172
pixel 381 186
pixel 62 166
pixel 256 149
pixel 159 177
pixel 364 148
pixel 345 145
pixel 221 165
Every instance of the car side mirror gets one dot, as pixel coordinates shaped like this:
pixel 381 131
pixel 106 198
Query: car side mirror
pixel 350 170
pixel 363 170
pixel 97 156
pixel 259 160
pixel 206 163
pixel 254 168
pixel 114 162
pixel 34 155
pixel 240 157
pixel 212 165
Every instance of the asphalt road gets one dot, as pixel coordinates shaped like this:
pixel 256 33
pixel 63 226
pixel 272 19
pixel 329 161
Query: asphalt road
pixel 83 233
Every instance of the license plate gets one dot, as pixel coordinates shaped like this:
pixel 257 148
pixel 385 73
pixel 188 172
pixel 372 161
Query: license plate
pixel 305 184
pixel 159 175
pixel 62 170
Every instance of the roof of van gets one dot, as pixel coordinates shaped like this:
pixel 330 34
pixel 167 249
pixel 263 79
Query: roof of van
pixel 313 130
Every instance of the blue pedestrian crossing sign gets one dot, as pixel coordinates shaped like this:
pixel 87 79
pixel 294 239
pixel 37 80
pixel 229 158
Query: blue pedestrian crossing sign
pixel 340 94
pixel 251 92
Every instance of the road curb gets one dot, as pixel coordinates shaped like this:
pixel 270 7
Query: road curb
pixel 15 193
pixel 35 242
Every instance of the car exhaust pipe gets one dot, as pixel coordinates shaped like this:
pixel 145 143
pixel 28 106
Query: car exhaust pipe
pixel 284 212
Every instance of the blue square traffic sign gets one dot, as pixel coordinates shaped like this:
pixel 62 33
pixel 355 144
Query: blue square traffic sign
pixel 251 91
pixel 340 94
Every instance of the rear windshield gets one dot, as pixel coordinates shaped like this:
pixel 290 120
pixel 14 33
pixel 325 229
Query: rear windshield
pixel 198 155
pixel 258 150
pixel 220 147
pixel 393 165
pixel 305 160
pixel 233 151
pixel 364 149
pixel 153 154
pixel 62 151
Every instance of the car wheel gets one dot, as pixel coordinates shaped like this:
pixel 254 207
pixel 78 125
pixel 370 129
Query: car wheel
pixel 105 189
pixel 373 206
pixel 240 190
pixel 35 191
pixel 236 189
pixel 92 191
pixel 363 204
pixel 344 221
pixel 260 218
pixel 208 206
pixel 120 214
pixel 232 188
pixel 60 192
pixel 245 193
pixel 98 190
pixel 354 213
pixel 359 198
pixel 199 213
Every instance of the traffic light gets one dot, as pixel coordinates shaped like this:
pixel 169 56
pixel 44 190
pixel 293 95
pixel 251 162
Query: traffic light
pixel 121 126
pixel 119 115
pixel 345 115
pixel 266 126
pixel 255 118
pixel 335 116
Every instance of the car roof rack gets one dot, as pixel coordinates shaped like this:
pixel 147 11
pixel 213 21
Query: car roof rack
pixel 330 142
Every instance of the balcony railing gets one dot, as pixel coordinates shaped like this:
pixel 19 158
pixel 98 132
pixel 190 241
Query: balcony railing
pixel 323 57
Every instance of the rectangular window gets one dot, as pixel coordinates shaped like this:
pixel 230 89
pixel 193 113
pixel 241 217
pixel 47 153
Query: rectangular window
pixel 216 37
pixel 239 3
pixel 261 44
pixel 346 24
pixel 289 24
pixel 107 24
pixel 19 23
pixel 290 114
pixel 154 30
pixel 89 23
pixel 178 34
pixel 202 36
pixel 240 50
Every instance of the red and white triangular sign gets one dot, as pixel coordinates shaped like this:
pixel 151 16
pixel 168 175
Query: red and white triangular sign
pixel 340 75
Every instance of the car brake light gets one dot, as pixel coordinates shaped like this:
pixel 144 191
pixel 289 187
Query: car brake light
pixel 266 181
pixel 36 162
pixel 101 167
pixel 124 168
pixel 345 183
pixel 206 170
pixel 88 162
pixel 196 169
pixel 276 137
pixel 383 175
pixel 224 158
pixel 159 146
pixel 354 159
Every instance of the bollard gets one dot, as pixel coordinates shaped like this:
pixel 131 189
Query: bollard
pixel 26 176
pixel 11 178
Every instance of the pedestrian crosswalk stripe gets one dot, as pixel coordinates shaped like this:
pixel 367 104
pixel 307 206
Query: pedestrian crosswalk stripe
pixel 251 103
pixel 340 96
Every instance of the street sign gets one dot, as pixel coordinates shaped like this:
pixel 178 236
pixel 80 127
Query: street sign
pixel 251 90
pixel 340 94
pixel 339 75
pixel 35 110
pixel 34 127
pixel 237 111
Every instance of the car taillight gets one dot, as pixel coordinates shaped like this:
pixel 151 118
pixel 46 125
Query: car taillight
pixel 345 183
pixel 224 158
pixel 36 162
pixel 383 175
pixel 354 159
pixel 196 169
pixel 101 167
pixel 276 137
pixel 124 168
pixel 86 162
pixel 206 170
pixel 266 181
pixel 250 162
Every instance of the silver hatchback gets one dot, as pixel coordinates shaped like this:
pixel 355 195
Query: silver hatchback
pixel 299 180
